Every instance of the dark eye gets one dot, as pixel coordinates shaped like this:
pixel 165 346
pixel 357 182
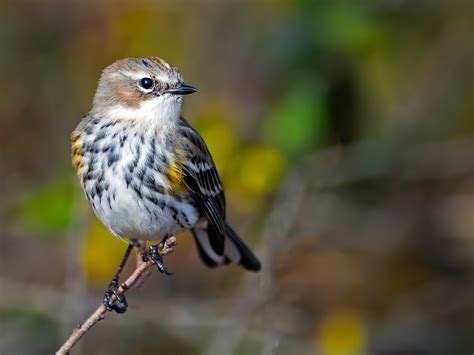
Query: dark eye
pixel 146 83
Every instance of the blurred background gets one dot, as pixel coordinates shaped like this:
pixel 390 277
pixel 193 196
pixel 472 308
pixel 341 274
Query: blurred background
pixel 344 135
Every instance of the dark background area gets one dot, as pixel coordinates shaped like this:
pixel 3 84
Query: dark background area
pixel 344 135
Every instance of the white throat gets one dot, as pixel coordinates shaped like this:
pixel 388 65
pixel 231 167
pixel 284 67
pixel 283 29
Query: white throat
pixel 161 110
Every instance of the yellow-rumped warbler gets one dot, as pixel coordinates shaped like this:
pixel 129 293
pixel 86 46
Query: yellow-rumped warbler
pixel 146 172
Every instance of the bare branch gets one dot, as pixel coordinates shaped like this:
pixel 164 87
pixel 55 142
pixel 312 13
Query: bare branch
pixel 100 312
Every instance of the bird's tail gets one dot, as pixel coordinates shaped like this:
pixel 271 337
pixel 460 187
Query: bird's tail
pixel 235 250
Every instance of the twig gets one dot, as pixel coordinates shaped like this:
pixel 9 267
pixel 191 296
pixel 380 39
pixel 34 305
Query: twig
pixel 100 312
pixel 72 301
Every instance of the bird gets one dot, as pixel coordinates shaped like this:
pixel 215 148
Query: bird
pixel 147 173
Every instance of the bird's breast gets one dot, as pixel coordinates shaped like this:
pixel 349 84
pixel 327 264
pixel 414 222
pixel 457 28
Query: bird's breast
pixel 134 180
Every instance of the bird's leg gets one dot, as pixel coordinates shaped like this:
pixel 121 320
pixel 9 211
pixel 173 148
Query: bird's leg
pixel 155 255
pixel 119 305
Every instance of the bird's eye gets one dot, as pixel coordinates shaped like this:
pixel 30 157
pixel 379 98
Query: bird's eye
pixel 146 84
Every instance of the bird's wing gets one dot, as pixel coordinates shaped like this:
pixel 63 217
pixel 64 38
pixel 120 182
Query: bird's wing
pixel 203 182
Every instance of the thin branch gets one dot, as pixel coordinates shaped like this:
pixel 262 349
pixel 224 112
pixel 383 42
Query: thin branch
pixel 100 312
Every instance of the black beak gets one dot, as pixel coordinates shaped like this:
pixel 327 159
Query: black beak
pixel 182 89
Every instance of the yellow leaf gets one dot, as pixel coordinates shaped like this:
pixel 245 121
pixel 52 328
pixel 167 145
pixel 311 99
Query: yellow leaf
pixel 101 253
pixel 342 332
pixel 261 169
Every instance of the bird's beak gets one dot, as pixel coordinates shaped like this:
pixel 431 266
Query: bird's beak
pixel 182 89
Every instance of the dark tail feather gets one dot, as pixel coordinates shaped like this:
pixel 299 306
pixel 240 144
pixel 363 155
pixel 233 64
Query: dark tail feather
pixel 235 249
pixel 247 258
pixel 205 249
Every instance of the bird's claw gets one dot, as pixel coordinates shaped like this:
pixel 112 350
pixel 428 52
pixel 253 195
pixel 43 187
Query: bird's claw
pixel 119 304
pixel 158 259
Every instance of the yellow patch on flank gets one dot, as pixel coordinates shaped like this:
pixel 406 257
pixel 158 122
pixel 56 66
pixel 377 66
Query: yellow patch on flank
pixel 76 154
pixel 175 173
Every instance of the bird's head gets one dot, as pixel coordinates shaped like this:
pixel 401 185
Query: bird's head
pixel 140 86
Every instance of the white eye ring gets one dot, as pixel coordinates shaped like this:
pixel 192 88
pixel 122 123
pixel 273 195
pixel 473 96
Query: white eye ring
pixel 146 84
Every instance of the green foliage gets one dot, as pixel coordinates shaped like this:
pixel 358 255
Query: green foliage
pixel 299 122
pixel 45 211
pixel 350 28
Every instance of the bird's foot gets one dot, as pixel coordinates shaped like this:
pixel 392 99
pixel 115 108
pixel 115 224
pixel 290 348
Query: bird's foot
pixel 119 303
pixel 155 255
pixel 164 241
